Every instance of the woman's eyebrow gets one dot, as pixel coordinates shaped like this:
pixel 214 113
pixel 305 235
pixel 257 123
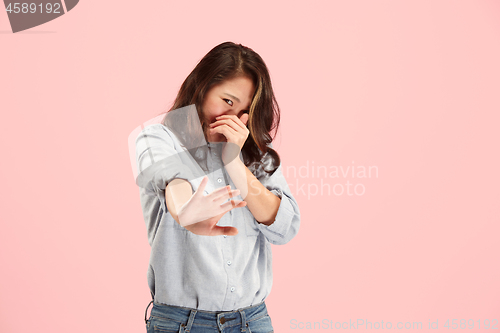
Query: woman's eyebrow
pixel 234 97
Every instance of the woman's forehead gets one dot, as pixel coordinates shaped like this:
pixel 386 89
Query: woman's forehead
pixel 241 89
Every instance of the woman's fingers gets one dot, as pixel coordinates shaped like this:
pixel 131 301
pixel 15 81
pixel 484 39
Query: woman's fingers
pixel 233 118
pixel 206 228
pixel 227 195
pixel 227 206
pixel 202 186
pixel 229 231
pixel 219 191
pixel 227 121
pixel 225 130
pixel 244 119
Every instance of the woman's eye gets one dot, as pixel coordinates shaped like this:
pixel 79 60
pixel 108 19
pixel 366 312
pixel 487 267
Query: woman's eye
pixel 228 101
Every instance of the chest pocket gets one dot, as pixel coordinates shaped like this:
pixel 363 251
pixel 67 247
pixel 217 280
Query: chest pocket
pixel 251 225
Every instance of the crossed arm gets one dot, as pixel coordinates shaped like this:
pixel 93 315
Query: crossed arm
pixel 261 202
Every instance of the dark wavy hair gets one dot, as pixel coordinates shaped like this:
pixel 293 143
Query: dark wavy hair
pixel 226 61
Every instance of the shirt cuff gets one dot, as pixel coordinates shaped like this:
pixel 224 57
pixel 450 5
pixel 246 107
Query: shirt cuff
pixel 157 176
pixel 283 219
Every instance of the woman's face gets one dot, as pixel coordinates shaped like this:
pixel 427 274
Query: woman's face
pixel 231 97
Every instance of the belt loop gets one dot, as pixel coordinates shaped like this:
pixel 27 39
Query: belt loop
pixel 190 321
pixel 243 321
pixel 146 313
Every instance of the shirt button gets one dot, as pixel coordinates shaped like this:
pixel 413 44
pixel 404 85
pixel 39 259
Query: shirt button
pixel 233 288
pixel 225 236
pixel 229 263
pixel 219 180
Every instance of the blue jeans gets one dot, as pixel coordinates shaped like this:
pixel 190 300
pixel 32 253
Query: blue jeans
pixel 167 318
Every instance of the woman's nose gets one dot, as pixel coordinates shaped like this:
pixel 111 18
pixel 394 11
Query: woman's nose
pixel 231 112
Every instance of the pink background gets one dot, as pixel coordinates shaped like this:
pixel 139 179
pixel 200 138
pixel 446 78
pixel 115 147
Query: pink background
pixel 409 87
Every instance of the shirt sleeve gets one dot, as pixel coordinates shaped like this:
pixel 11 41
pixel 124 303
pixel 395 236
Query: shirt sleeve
pixel 287 221
pixel 158 162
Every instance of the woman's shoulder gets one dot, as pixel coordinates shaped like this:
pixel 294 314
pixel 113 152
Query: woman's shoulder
pixel 156 129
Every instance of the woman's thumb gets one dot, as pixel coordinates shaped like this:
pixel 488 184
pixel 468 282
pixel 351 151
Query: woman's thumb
pixel 244 118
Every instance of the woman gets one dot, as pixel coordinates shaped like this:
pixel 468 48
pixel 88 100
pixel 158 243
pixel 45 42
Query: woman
pixel 211 263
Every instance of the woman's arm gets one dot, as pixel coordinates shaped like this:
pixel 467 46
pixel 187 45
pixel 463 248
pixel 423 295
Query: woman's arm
pixel 200 213
pixel 177 193
pixel 273 190
pixel 262 203
pixel 271 202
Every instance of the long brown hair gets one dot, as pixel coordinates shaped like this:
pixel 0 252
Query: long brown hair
pixel 226 61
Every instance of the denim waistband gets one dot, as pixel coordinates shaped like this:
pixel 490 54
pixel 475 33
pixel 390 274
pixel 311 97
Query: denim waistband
pixel 219 319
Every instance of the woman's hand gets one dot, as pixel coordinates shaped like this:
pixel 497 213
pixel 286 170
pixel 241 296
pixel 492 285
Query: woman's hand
pixel 201 213
pixel 235 131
